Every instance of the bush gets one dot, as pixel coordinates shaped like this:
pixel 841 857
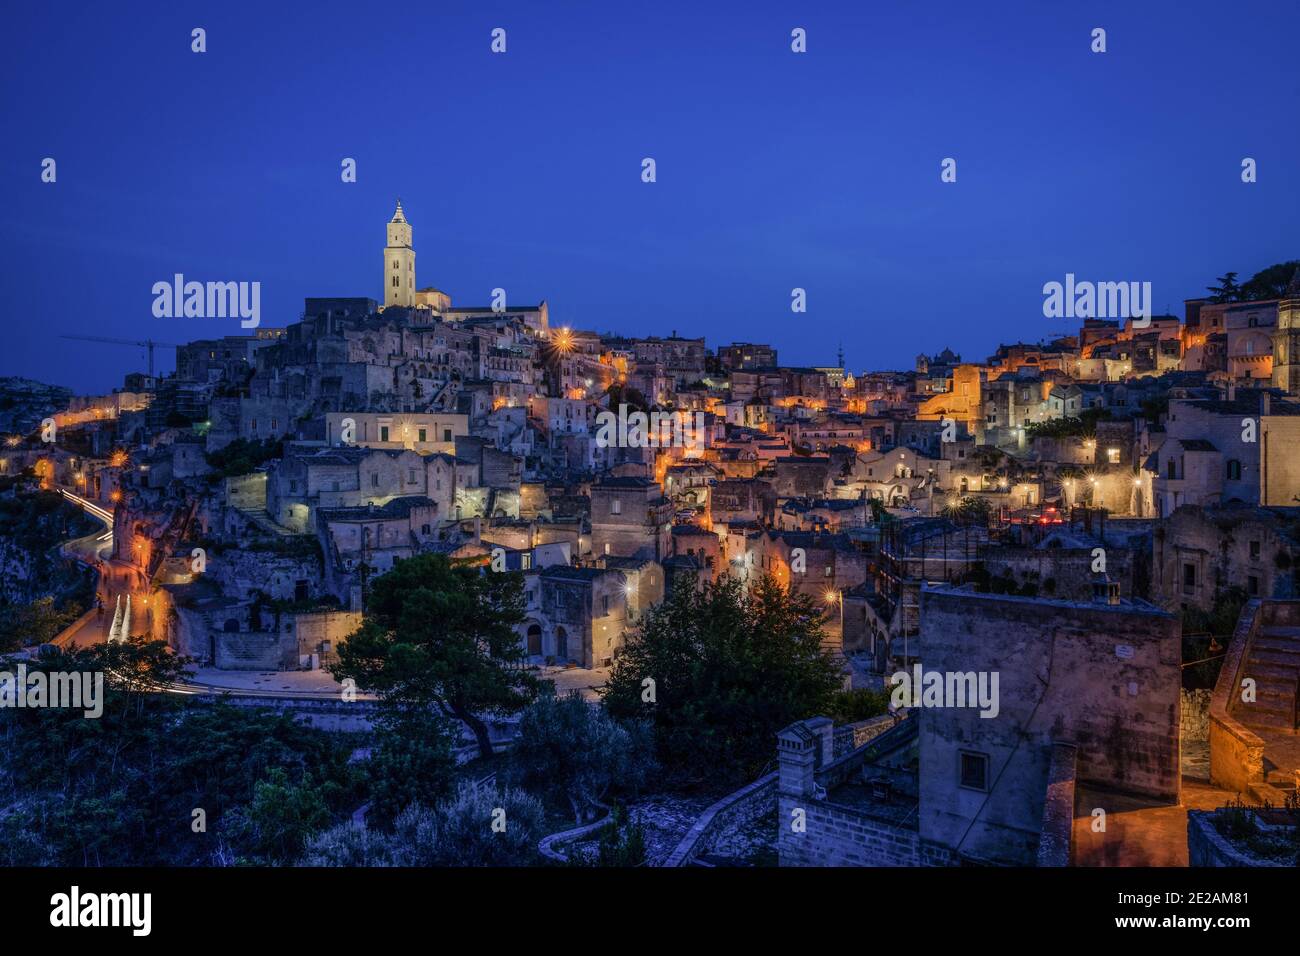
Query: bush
pixel 480 825
pixel 575 752
pixel 348 844
pixel 851 706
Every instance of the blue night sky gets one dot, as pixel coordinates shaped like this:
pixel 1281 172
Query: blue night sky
pixel 522 170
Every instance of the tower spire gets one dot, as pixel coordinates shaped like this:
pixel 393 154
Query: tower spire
pixel 399 262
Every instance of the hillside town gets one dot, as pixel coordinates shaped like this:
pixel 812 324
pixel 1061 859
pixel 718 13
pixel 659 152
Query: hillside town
pixel 1105 519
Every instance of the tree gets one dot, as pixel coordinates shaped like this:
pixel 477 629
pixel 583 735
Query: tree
pixel 479 825
pixel 862 703
pixel 1270 283
pixel 439 634
pixel 622 843
pixel 577 752
pixel 282 817
pixel 412 762
pixel 243 455
pixel 36 623
pixel 123 789
pixel 718 672
pixel 1227 290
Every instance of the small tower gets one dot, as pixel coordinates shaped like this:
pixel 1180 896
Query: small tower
pixel 1286 340
pixel 399 262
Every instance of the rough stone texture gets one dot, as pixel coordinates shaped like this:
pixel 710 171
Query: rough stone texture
pixel 1206 847
pixel 1105 678
pixel 849 737
pixel 1058 809
pixel 824 816
pixel 665 819
pixel 1236 752
pixel 730 816
pixel 1196 715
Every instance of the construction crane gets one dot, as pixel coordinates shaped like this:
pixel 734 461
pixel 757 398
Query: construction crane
pixel 146 344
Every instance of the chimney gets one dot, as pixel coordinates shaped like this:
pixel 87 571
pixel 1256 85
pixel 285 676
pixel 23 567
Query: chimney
pixel 796 752
pixel 1265 402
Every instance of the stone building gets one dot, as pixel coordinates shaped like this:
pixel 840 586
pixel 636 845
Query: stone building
pixel 1199 553
pixel 1086 697
pixel 399 263
pixel 581 616
pixel 630 518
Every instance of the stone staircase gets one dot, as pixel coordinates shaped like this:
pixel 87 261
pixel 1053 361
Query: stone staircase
pixel 262 520
pixel 1274 663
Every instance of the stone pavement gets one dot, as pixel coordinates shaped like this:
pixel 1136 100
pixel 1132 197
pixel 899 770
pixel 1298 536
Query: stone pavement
pixel 1139 832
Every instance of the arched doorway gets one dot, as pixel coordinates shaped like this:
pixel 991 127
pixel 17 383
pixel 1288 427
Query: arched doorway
pixel 535 640
pixel 561 645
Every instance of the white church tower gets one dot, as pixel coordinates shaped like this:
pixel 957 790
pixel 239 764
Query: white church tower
pixel 399 262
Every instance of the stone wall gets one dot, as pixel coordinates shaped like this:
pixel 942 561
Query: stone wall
pixel 849 737
pixel 1236 751
pixel 1058 808
pixel 1196 715
pixel 240 572
pixel 247 492
pixel 747 804
pixel 842 836
pixel 1105 678
pixel 1206 847
pixel 252 650
pixel 313 629
pixel 1069 569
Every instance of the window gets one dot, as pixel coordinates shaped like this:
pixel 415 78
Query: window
pixel 1254 551
pixel 383 433
pixel 1112 455
pixel 1189 578
pixel 374 479
pixel 410 476
pixel 422 434
pixel 604 604
pixel 616 506
pixel 1171 469
pixel 974 771
pixel 1234 470
pixel 1252 586
pixel 446 434
pixel 394 282
pixel 525 561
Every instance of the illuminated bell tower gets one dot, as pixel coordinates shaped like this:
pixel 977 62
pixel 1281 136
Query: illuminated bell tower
pixel 399 262
pixel 1286 340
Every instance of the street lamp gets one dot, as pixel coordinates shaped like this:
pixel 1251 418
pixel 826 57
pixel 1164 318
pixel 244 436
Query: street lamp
pixel 831 597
